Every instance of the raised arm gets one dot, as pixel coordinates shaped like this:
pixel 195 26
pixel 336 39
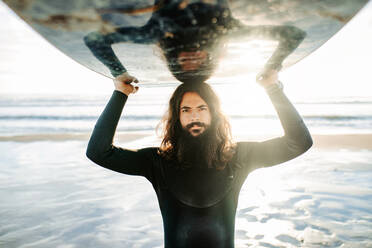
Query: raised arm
pixel 101 149
pixel 296 139
pixel 100 44
pixel 289 38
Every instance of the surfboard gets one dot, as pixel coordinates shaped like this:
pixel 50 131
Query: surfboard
pixel 109 36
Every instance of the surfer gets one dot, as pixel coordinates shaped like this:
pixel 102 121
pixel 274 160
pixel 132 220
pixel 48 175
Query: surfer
pixel 192 38
pixel 197 172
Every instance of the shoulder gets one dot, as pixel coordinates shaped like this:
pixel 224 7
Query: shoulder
pixel 244 146
pixel 149 151
pixel 243 151
pixel 153 156
pixel 241 160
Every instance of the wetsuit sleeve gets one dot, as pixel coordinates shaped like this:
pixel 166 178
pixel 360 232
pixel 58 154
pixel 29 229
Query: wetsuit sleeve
pixel 289 38
pixel 102 151
pixel 296 139
pixel 100 44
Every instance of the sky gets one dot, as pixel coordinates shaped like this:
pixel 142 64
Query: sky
pixel 30 65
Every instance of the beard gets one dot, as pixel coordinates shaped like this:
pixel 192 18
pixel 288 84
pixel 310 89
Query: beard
pixel 196 151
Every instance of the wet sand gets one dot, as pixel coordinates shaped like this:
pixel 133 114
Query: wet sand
pixel 55 197
pixel 321 141
pixel 348 141
pixel 127 137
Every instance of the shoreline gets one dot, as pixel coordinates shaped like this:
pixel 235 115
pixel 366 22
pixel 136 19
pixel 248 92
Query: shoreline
pixel 321 141
pixel 345 141
pixel 121 137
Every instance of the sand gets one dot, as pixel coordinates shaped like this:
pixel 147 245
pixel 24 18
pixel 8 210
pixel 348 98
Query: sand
pixel 349 141
pixel 55 197
pixel 321 141
pixel 128 137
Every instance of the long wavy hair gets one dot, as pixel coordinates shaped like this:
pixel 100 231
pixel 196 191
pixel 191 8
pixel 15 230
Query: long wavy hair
pixel 218 152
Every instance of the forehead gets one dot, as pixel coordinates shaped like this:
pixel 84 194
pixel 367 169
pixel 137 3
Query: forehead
pixel 192 100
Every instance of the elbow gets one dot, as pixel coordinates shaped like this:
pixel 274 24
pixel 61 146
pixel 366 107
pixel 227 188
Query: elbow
pixel 94 154
pixel 299 146
pixel 299 34
pixel 91 155
pixel 93 39
pixel 296 33
pixel 307 143
pixel 292 37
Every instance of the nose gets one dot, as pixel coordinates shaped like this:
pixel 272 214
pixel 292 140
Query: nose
pixel 195 115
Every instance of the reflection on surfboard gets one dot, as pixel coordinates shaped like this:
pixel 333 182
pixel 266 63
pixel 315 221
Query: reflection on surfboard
pixel 191 35
pixel 192 38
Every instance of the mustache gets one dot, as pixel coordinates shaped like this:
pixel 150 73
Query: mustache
pixel 196 123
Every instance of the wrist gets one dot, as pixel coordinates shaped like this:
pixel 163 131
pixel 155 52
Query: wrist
pixel 117 71
pixel 122 92
pixel 275 87
pixel 273 66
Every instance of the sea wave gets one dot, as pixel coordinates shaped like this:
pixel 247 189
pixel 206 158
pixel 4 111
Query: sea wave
pixel 72 118
pixel 58 114
pixel 158 117
pixel 308 117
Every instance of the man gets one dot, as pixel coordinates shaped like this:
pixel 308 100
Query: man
pixel 197 172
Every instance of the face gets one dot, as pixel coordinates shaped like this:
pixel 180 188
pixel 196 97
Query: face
pixel 195 116
pixel 191 60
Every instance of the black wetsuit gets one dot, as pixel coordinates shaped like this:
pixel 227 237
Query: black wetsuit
pixel 198 206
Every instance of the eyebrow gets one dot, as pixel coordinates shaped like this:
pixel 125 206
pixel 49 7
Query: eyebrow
pixel 200 106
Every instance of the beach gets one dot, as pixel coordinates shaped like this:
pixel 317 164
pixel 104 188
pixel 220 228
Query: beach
pixel 321 141
pixel 53 196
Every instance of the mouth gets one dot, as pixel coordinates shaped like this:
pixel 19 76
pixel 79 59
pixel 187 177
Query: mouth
pixel 195 128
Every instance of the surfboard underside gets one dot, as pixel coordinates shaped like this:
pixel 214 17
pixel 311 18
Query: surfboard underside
pixel 66 24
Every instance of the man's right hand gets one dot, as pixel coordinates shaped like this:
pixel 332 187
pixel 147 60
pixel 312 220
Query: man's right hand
pixel 123 83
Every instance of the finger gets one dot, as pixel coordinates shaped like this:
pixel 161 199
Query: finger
pixel 121 80
pixel 124 79
pixel 135 89
pixel 261 76
pixel 131 80
pixel 266 74
pixel 128 80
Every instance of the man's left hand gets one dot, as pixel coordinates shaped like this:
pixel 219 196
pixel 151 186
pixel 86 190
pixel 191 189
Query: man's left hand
pixel 267 77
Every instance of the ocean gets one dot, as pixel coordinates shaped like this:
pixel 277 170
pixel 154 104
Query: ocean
pixel 71 114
